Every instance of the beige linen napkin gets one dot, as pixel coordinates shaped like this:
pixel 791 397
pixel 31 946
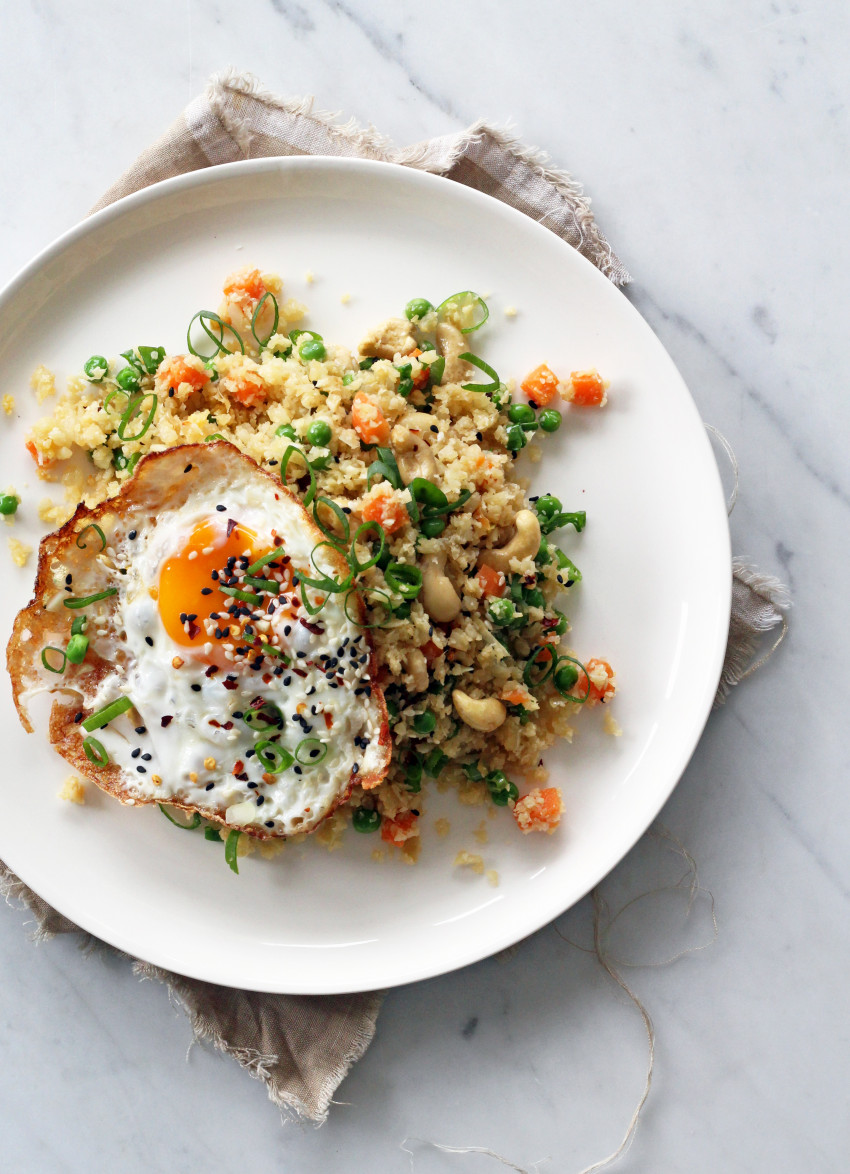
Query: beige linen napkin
pixel 301 1046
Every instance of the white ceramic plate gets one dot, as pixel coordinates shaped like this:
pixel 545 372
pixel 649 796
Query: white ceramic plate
pixel 655 556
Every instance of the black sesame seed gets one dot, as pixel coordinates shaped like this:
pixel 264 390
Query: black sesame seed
pixel 206 591
pixel 141 770
pixel 287 681
pixel 480 436
pixel 261 800
pixel 149 641
pixel 146 758
pixel 297 770
pixel 287 631
pixel 188 469
pixel 214 575
pixel 171 393
pixel 269 823
pixel 209 786
pixel 355 769
pixel 132 534
pixel 69 578
pixel 434 428
pixel 141 730
pixel 136 752
pixel 196 688
pixel 237 713
pixel 253 786
pixel 221 508
pixel 250 753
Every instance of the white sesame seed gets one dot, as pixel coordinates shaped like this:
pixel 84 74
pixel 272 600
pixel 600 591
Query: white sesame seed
pixel 192 554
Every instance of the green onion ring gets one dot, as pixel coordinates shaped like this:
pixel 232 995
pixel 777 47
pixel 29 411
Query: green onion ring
pixel 296 334
pixel 261 342
pixel 531 664
pixel 186 827
pixel 211 833
pixel 103 716
pixel 386 466
pixel 116 391
pixel 273 757
pixel 307 605
pixel 84 600
pixel 214 436
pixel 353 561
pixel 306 747
pixel 359 592
pixel 341 517
pixel 78 625
pixel 433 511
pixel 258 719
pixel 466 294
pixel 270 650
pixel 151 356
pixel 95 752
pixel 230 845
pixel 45 662
pixel 204 316
pixel 567 695
pixel 468 357
pixel 91 526
pixel 404 579
pixel 284 462
pixel 436 370
pixel 130 413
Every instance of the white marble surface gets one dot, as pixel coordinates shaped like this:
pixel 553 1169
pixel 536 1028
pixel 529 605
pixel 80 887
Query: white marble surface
pixel 714 142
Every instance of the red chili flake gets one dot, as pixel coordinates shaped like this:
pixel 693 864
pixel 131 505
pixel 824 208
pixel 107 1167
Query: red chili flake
pixel 266 678
pixel 230 684
pixel 213 722
pixel 314 628
pixel 211 671
pixel 231 526
pixel 166 721
pixel 257 703
pixel 238 767
pixel 329 721
pixel 227 726
pixel 192 630
pixel 267 778
pixel 299 672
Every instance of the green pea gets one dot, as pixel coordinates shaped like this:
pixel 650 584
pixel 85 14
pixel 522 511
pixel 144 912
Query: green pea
pixel 501 788
pixel 565 677
pixel 433 527
pixel 286 430
pixel 319 433
pixel 8 503
pixel 347 378
pixel 128 379
pixel 96 368
pixel 413 775
pixel 417 308
pixel 424 723
pixel 521 414
pixel 562 624
pixel 516 438
pixel 313 349
pixel 502 612
pixel 365 819
pixel 550 420
pixel 77 649
pixel 547 506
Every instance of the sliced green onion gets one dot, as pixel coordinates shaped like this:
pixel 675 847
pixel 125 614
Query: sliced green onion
pixel 365 819
pixel 270 650
pixel 565 692
pixel 133 360
pixel 435 762
pixel 286 430
pixel 568 565
pixel 472 772
pixel 230 845
pixel 501 789
pixel 266 717
pixel 104 716
pixel 436 370
pixel 77 648
pixel 261 342
pixel 186 827
pixel 353 561
pixel 426 492
pixel 486 368
pixel 151 357
pixel 78 625
pixel 326 583
pixel 284 463
pixel 450 506
pixel 112 394
pixel 214 436
pixel 84 600
pixel 212 834
pixel 296 334
pixel 95 752
pixel 204 316
pixel 273 757
pixel 413 773
pixel 91 526
pixel 386 467
pixel 359 593
pixel 530 674
pixel 270 585
pixel 404 579
pixel 367 364
pixel 242 596
pixel 341 517
pixel 130 413
pixel 310 751
pixel 458 301
pixel 265 560
pixel 46 662
pixel 348 378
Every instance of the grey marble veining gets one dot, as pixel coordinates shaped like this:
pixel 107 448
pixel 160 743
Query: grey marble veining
pixel 714 142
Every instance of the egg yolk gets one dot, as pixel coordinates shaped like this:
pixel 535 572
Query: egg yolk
pixel 189 582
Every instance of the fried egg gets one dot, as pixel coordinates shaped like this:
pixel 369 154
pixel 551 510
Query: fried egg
pixel 245 707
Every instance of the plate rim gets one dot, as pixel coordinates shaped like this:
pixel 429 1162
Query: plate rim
pixel 209 176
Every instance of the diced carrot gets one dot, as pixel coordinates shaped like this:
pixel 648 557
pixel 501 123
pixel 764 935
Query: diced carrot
pixel 587 389
pixel 515 697
pixel 32 450
pixel 250 391
pixel 245 281
pixel 540 810
pixel 385 509
pixel 422 378
pixel 431 651
pixel 174 371
pixel 492 581
pixel 541 386
pixel 543 656
pixel 368 420
pixel 602 687
pixel 400 828
pixel 416 352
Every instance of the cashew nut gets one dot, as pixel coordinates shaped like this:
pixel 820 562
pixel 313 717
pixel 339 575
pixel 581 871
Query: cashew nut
pixel 524 544
pixel 419 462
pixel 451 344
pixel 479 713
pixel 439 598
pixel 417 667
